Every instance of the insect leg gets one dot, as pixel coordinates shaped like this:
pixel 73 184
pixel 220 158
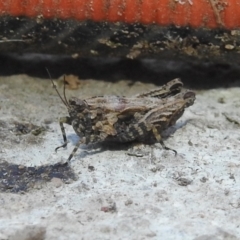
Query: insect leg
pixel 159 139
pixel 84 140
pixel 63 120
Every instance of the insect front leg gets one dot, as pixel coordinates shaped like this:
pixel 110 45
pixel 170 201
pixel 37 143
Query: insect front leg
pixel 85 140
pixel 63 120
pixel 159 139
pixel 82 141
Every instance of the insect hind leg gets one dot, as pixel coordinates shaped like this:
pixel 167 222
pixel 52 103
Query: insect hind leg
pixel 141 130
pixel 63 120
pixel 159 139
pixel 75 149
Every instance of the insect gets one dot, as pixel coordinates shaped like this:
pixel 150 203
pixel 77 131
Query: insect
pixel 125 119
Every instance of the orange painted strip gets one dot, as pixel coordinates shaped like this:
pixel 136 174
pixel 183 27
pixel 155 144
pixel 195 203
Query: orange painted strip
pixel 163 14
pixel 14 9
pixel 64 9
pixel 99 12
pixel 179 10
pixel 131 11
pixel 195 13
pixel 33 7
pixel 47 8
pixel 210 16
pixel 116 11
pixel 230 17
pixel 79 9
pixel 147 12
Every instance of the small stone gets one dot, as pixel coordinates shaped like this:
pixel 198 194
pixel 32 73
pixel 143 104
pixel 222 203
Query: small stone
pixel 229 47
pixel 128 202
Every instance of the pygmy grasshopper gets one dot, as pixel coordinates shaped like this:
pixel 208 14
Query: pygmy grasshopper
pixel 125 119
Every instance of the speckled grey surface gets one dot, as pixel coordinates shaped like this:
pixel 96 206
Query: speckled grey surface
pixel 117 195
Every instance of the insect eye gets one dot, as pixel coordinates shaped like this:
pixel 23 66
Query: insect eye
pixel 72 102
pixel 77 103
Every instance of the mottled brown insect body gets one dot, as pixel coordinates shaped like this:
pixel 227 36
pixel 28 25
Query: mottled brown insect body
pixel 123 119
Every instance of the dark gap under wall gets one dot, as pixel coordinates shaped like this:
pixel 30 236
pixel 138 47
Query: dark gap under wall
pixel 202 75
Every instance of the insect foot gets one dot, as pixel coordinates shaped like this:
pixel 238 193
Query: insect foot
pixel 125 119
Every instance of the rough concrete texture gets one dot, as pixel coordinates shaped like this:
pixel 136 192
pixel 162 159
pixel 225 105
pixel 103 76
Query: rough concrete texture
pixel 117 192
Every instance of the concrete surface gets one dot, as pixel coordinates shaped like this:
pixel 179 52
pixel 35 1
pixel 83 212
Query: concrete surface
pixel 118 192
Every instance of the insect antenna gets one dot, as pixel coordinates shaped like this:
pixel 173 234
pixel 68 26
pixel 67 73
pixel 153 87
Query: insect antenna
pixel 65 102
pixel 64 90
